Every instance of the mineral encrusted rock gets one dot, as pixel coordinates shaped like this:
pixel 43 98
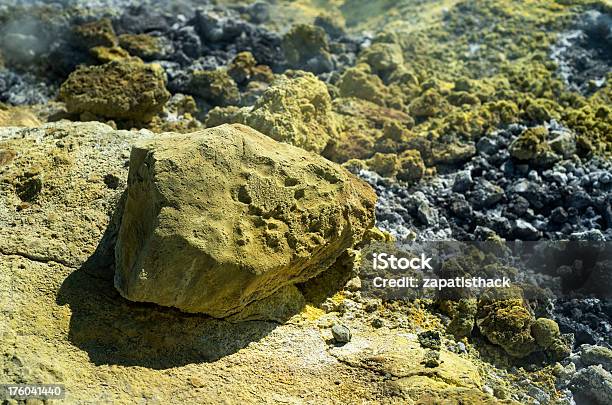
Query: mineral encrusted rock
pixel 128 90
pixel 218 219
pixel 215 86
pixel 95 33
pixel 295 109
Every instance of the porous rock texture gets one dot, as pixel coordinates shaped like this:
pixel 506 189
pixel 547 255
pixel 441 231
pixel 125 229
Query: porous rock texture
pixel 295 109
pixel 126 90
pixel 221 218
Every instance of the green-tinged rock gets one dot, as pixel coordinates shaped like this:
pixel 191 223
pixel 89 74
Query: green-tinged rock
pixel 385 164
pixel 96 33
pixel 429 104
pixel 383 58
pixel 242 67
pixel 452 153
pixel 593 355
pixel 412 166
pixel 215 86
pixel 332 22
pixel 128 90
pixel 106 54
pixel 531 144
pixel 306 46
pixel 144 46
pixel 295 109
pixel 545 331
pixel 507 323
pixel 362 125
pixel 222 218
pixel 359 82
pixel 463 313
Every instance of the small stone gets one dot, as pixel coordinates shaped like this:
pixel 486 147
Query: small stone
pixel 537 393
pixel 593 355
pixel 341 333
pixel 306 47
pixel 431 359
pixel 430 339
pixel 215 86
pixel 487 145
pixel 378 323
pixel 545 331
pixel 258 12
pixel 427 215
pixel 354 284
pixel 460 207
pixel 523 230
pixel 463 181
pixel 563 143
pixel 95 33
pixel 111 181
pixel 558 215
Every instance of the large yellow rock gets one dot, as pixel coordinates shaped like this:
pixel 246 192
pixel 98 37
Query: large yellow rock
pixel 222 218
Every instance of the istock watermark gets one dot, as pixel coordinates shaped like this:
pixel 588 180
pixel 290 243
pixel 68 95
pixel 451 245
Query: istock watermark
pixel 456 270
pixel 383 261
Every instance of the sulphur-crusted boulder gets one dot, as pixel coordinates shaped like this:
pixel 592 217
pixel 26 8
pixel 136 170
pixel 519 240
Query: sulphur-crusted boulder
pixel 226 217
pixel 295 109
pixel 126 90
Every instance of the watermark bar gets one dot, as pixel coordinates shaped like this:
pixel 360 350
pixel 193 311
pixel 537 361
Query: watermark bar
pixel 496 269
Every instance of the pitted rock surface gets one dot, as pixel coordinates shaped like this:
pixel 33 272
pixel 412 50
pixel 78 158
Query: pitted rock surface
pixel 221 218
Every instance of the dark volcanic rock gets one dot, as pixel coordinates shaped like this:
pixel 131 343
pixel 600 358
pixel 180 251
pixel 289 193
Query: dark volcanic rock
pixel 515 199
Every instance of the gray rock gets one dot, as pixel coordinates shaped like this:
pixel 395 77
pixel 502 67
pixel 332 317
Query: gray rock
pixel 523 230
pixel 594 355
pixel 487 145
pixel 538 394
pixel 463 181
pixel 563 143
pixel 341 333
pixel 592 235
pixel 592 385
pixel 427 214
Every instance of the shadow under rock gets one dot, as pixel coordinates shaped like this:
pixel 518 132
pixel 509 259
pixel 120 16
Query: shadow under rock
pixel 113 330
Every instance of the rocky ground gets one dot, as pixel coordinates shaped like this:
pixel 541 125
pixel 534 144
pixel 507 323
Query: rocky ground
pixel 471 120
